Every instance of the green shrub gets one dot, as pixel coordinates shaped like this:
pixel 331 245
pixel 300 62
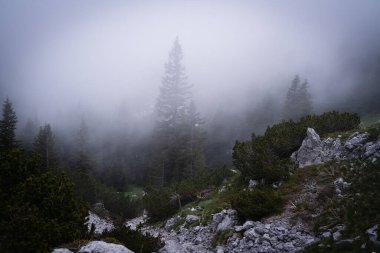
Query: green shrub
pixel 256 160
pixel 39 210
pixel 257 204
pixel 266 158
pixel 330 122
pixel 159 204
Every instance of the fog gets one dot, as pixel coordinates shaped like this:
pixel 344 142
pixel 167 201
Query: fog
pixel 104 60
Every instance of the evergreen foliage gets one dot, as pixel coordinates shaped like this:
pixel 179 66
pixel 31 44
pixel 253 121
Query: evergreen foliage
pixel 159 204
pixel 44 148
pixel 178 137
pixel 257 204
pixel 39 209
pixel 8 126
pixel 82 159
pixel 266 158
pixel 298 100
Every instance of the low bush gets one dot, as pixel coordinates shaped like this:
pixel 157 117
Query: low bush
pixel 266 158
pixel 159 204
pixel 257 204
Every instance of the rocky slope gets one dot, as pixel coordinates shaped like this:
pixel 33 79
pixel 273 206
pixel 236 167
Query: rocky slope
pixel 316 151
pixel 289 231
pixel 277 234
pixel 98 247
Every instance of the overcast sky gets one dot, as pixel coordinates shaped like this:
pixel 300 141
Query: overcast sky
pixel 105 57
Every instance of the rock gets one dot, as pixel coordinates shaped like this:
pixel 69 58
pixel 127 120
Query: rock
pixel 191 219
pixel 259 230
pixel 248 224
pixel 103 247
pixel 61 251
pixel 316 151
pixel 252 184
pixel 337 235
pixel 100 224
pixel 219 249
pixel 372 234
pixel 198 240
pixel 227 223
pixel 288 246
pixel 340 183
pixel 171 222
pixel 134 223
pixel 217 218
pixel 310 151
pixel 326 235
pixel 355 140
pixel 251 234
pixel 372 148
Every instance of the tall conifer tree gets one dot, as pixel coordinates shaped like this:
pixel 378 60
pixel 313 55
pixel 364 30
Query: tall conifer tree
pixel 44 148
pixel 174 134
pixel 8 126
pixel 298 100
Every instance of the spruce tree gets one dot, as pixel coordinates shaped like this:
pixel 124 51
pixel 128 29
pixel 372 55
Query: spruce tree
pixel 28 133
pixel 298 100
pixel 82 158
pixel 8 126
pixel 176 125
pixel 306 106
pixel 196 138
pixel 44 148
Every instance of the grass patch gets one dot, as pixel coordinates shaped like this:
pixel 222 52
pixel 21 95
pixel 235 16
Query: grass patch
pixel 134 191
pixel 357 209
pixel 208 207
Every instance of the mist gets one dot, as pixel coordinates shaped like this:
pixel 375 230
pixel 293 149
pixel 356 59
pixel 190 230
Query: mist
pixel 62 61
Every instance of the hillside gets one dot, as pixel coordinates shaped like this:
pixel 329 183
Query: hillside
pixel 329 202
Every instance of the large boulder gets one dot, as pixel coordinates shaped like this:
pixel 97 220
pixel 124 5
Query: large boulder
pixel 316 151
pixel 103 247
pixel 62 251
pixel 311 151
pixel 191 219
pixel 224 220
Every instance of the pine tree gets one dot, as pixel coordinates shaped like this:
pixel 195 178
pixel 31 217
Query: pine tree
pixel 196 137
pixel 177 125
pixel 82 158
pixel 306 106
pixel 298 100
pixel 28 133
pixel 174 92
pixel 44 148
pixel 8 126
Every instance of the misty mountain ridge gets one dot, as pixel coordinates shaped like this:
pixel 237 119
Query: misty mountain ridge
pixel 179 126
